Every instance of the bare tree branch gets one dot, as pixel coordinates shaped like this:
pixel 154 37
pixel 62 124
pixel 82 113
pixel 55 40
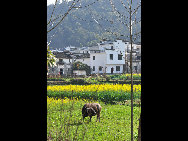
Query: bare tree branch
pixel 136 9
pixel 52 12
pixel 70 8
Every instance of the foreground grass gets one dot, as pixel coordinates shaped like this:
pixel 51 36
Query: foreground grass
pixel 64 121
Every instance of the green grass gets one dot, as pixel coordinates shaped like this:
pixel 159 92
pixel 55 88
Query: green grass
pixel 64 122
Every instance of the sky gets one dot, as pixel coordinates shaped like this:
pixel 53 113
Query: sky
pixel 50 2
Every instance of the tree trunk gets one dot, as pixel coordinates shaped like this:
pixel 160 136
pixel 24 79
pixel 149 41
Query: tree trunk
pixel 139 129
pixel 131 74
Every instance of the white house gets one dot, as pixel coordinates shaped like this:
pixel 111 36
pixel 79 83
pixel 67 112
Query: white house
pixel 98 61
pixel 65 60
pixel 115 57
pixel 108 57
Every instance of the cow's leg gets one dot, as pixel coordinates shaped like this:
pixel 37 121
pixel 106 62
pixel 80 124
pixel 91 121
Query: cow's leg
pixel 83 118
pixel 98 117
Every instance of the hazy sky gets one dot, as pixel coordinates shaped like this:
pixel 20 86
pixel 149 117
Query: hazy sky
pixel 50 2
pixel 53 1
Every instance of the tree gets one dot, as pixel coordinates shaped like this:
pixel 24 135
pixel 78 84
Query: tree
pixel 50 58
pixel 128 21
pixel 80 66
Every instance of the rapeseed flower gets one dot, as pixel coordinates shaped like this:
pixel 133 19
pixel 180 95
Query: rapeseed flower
pixel 94 87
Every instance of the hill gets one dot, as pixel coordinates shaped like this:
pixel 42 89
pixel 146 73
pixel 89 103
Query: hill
pixel 88 25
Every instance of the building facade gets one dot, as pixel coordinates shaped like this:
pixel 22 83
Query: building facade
pixel 107 57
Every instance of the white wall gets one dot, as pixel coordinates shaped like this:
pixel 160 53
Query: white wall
pixel 108 68
pixel 119 48
pixel 100 60
pixel 79 72
pixel 84 61
pixel 65 60
pixel 119 45
pixel 115 57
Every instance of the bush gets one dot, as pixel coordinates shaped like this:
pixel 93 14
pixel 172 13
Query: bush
pixel 77 81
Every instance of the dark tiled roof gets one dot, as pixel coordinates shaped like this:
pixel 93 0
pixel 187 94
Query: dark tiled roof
pixel 68 55
pixel 62 55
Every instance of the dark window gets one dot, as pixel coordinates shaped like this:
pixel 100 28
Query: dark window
pixel 119 57
pixel 61 60
pixel 117 68
pixel 93 68
pixel 93 57
pixel 139 57
pixel 111 47
pixel 61 71
pixel 111 56
pixel 100 68
pixel 135 67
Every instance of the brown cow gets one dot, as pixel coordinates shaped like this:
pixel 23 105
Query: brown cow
pixel 91 109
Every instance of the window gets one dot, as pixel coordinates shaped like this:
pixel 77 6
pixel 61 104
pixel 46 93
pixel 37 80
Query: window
pixel 117 68
pixel 100 68
pixel 93 57
pixel 61 60
pixel 119 57
pixel 112 47
pixel 135 67
pixel 93 68
pixel 111 56
pixel 61 71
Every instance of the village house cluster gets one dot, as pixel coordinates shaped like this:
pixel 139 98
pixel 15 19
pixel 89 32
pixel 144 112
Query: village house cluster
pixel 107 57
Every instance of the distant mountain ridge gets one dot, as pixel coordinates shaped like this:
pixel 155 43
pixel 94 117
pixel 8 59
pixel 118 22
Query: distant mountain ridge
pixel 90 24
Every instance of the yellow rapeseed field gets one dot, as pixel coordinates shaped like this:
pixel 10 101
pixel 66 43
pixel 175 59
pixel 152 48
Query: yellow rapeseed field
pixel 94 87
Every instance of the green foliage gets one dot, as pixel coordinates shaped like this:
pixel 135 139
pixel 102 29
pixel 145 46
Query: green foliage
pixel 50 57
pixel 100 79
pixel 124 77
pixel 80 66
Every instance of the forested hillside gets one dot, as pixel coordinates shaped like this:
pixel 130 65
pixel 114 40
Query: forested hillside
pixel 94 21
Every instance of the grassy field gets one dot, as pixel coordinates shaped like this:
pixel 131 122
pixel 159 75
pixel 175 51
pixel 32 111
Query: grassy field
pixel 64 121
